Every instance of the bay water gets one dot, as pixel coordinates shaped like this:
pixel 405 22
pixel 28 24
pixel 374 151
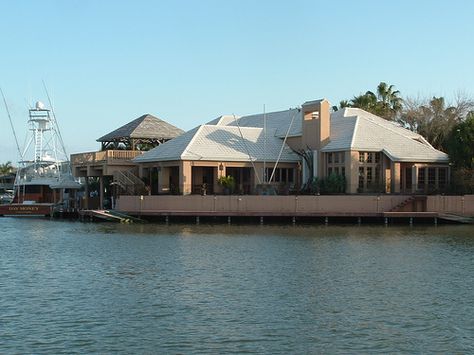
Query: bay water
pixel 71 287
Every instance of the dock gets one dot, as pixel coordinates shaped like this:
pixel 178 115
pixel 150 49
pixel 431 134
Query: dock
pixel 109 215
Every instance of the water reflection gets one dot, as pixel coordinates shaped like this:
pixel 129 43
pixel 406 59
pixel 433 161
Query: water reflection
pixel 112 288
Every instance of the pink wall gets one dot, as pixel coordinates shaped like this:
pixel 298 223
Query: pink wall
pixel 342 204
pixel 261 204
pixel 463 205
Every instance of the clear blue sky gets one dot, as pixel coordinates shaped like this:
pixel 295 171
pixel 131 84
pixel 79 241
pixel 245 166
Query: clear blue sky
pixel 187 62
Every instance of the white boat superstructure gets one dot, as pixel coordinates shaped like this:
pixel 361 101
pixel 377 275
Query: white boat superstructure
pixel 48 165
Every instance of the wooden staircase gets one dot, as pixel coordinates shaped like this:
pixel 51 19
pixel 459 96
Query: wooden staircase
pixel 129 182
pixel 411 204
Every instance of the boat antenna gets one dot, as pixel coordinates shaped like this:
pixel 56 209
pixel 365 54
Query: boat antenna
pixel 56 123
pixel 264 145
pixel 11 125
pixel 247 149
pixel 283 144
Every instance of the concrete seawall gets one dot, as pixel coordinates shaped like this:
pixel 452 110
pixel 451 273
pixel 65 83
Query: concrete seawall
pixel 336 205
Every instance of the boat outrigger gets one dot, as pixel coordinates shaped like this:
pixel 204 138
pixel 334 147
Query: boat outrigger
pixel 44 183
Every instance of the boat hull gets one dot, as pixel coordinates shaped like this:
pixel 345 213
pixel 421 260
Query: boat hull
pixel 35 209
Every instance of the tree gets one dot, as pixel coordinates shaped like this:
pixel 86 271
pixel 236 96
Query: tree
pixel 389 101
pixel 460 147
pixel 367 101
pixel 6 168
pixel 433 118
pixel 460 143
pixel 386 103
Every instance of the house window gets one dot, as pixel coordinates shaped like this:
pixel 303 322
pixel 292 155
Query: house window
pixel 281 174
pixel 370 157
pixel 370 162
pixel 291 175
pixel 336 158
pixel 343 157
pixel 442 178
pixel 431 177
pixel 369 175
pixel 361 177
pixel 343 171
pixel 329 171
pixel 408 178
pixel 421 178
pixel 377 173
pixel 277 175
pixel 336 170
pixel 329 158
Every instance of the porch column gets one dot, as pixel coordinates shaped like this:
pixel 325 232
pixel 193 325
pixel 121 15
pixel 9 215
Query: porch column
pixel 185 177
pixel 101 192
pixel 163 180
pixel 86 194
pixel 437 178
pixel 216 173
pixel 352 171
pixel 395 177
pixel 414 178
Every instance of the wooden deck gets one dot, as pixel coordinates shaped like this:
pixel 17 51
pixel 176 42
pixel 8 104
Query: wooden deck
pixel 109 215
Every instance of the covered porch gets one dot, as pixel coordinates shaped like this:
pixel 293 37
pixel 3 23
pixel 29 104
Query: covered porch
pixel 202 177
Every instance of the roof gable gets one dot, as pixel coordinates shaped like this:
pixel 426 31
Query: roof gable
pixel 356 129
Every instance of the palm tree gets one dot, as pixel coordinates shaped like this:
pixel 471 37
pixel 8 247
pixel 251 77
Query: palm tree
pixel 389 100
pixel 6 168
pixel 387 103
pixel 367 101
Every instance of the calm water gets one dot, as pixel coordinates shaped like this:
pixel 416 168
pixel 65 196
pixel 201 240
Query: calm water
pixel 110 288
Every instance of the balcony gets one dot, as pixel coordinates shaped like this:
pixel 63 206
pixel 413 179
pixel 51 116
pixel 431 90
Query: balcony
pixel 109 157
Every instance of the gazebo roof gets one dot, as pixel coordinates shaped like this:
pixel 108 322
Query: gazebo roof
pixel 144 127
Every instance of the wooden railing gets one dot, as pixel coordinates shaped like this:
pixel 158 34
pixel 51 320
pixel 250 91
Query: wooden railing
pixel 105 156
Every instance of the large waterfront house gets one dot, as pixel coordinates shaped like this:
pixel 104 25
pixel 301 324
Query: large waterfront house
pixel 288 149
pixel 112 167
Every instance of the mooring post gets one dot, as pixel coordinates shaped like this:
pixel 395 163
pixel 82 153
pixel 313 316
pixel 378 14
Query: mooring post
pixel 411 221
pixel 326 220
pixel 359 221
pixel 386 221
pixel 261 220
pixel 167 219
pixel 228 220
pixel 197 219
pixel 436 221
pixel 293 220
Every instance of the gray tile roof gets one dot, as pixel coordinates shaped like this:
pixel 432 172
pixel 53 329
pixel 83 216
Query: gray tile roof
pixel 221 143
pixel 146 126
pixel 277 122
pixel 356 129
pixel 351 129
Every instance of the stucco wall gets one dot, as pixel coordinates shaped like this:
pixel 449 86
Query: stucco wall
pixel 463 205
pixel 343 204
pixel 267 204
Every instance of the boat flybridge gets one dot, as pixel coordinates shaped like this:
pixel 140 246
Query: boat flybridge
pixel 45 177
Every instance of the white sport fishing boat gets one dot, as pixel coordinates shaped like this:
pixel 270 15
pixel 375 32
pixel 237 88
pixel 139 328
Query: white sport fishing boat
pixel 44 181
